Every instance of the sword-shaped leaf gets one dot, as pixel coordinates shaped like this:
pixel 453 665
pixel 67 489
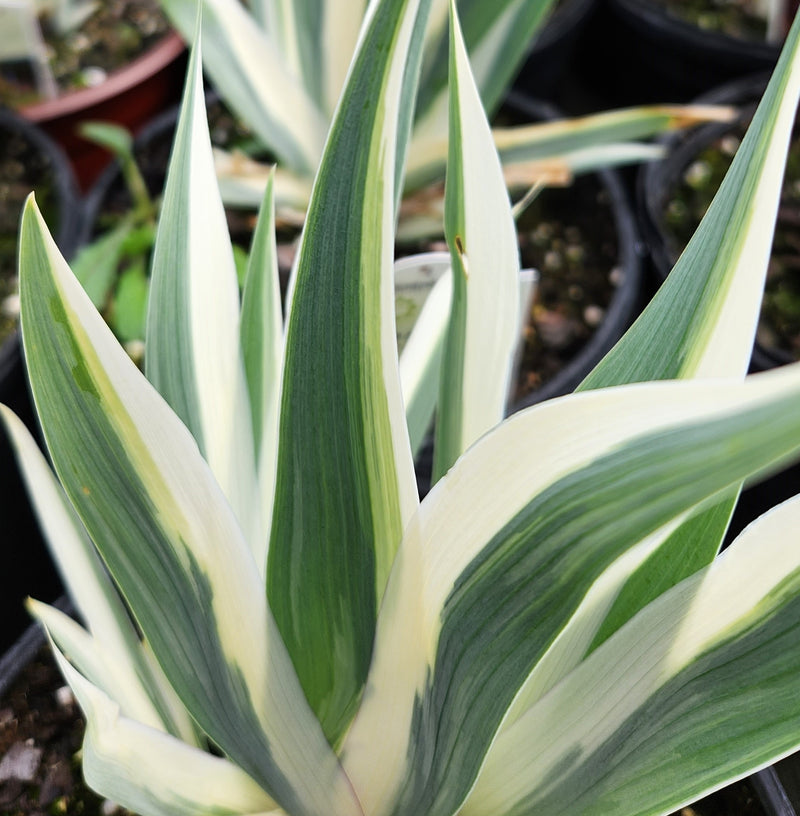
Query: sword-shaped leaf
pixel 192 352
pixel 137 679
pixel 502 554
pixel 151 773
pixel 695 691
pixel 261 337
pixel 345 484
pixel 317 39
pixel 484 319
pixel 497 35
pixel 576 145
pixel 702 321
pixel 150 503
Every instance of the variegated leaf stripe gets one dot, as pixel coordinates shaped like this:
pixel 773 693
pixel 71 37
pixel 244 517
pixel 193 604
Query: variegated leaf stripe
pixel 261 337
pixel 502 554
pixel 483 331
pixel 192 352
pixel 163 527
pixel 345 483
pixel 702 321
pixel 698 689
pixel 340 26
pixel 94 595
pixel 250 73
pixel 574 641
pixel 497 36
pixel 151 773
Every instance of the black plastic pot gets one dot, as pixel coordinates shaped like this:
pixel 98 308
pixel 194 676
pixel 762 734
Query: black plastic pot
pixel 653 56
pixel 625 302
pixel 28 569
pixel 551 52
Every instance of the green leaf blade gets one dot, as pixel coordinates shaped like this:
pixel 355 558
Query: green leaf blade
pixel 345 484
pixel 464 624
pixel 150 503
pixel 484 331
pixel 192 349
pixel 694 692
pixel 703 319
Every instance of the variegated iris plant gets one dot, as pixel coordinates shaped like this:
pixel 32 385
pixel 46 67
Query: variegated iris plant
pixel 280 66
pixel 274 621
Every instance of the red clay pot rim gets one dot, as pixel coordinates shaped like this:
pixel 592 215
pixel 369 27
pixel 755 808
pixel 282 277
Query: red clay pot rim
pixel 150 63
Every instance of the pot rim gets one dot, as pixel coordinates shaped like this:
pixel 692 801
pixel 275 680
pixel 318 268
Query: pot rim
pixel 155 59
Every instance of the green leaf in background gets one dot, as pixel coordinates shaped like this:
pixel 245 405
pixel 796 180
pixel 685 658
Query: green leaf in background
pixel 130 303
pixel 96 264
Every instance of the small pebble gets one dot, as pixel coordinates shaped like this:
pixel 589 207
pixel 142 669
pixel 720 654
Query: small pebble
pixel 553 261
pixel 21 762
pixel 64 697
pixel 593 315
pixel 697 174
pixel 729 144
pixel 10 306
pixel 616 276
pixel 574 253
pixel 93 76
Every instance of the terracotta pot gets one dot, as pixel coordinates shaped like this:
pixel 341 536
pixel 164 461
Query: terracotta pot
pixel 130 97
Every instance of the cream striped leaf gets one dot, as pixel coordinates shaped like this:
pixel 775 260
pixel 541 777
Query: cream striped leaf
pixel 261 338
pixel 119 679
pixel 484 320
pixel 135 476
pixel 317 39
pixel 497 36
pixel 192 352
pixel 95 597
pixel 502 555
pixel 712 297
pixel 421 357
pixel 696 690
pixel 153 774
pixel 345 484
pixel 564 146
